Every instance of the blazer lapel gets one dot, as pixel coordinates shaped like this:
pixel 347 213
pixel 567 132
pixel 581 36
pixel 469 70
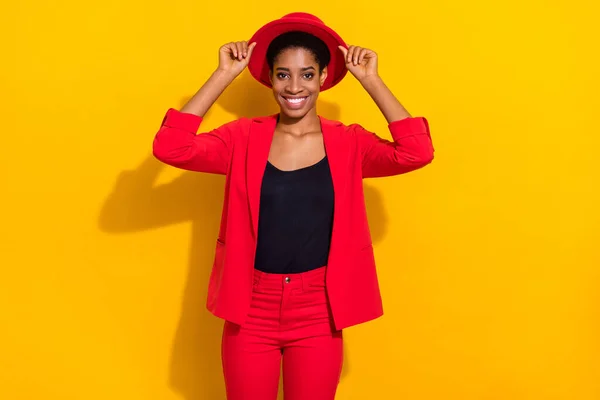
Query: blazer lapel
pixel 337 154
pixel 259 145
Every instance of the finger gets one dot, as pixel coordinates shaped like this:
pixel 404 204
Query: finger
pixel 240 50
pixel 251 49
pixel 244 49
pixel 362 55
pixel 355 55
pixel 231 49
pixel 234 50
pixel 350 54
pixel 344 51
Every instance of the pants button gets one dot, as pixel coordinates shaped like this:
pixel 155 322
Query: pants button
pixel 287 279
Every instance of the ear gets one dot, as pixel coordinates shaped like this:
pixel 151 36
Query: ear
pixel 323 76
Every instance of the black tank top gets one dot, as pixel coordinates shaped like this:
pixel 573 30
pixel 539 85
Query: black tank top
pixel 295 219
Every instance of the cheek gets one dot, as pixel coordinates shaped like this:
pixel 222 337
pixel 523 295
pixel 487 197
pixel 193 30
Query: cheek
pixel 313 84
pixel 276 88
pixel 316 86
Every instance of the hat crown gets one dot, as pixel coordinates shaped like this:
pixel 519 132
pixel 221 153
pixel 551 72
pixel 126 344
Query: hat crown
pixel 297 21
pixel 302 15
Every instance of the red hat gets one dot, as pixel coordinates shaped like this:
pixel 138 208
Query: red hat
pixel 308 23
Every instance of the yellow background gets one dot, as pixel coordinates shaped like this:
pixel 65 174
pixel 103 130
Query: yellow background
pixel 487 257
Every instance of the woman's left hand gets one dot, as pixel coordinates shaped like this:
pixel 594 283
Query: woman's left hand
pixel 361 62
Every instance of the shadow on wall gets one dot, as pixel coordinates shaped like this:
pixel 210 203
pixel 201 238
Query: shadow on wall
pixel 136 204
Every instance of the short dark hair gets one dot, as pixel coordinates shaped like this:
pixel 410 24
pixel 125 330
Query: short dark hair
pixel 297 39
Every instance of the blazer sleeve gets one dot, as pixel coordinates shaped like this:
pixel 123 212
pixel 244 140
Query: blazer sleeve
pixel 177 143
pixel 410 149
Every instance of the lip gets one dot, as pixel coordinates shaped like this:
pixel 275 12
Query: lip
pixel 294 105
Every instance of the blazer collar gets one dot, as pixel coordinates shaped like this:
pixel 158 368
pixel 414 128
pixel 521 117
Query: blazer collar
pixel 259 145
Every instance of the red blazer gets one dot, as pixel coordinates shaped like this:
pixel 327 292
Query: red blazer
pixel 239 150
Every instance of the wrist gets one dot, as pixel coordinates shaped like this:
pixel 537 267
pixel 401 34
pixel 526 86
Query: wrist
pixel 223 75
pixel 371 80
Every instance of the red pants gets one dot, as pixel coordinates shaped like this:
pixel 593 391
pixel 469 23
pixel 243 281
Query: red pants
pixel 289 320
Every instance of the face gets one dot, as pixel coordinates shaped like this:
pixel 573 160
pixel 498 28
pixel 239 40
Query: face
pixel 296 81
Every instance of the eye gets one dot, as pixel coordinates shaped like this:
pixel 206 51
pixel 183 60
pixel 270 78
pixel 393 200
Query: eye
pixel 281 75
pixel 309 75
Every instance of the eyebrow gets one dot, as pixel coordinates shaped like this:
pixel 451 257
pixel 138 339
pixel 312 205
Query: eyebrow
pixel 287 69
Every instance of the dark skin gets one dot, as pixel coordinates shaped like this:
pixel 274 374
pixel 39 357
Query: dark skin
pixel 296 81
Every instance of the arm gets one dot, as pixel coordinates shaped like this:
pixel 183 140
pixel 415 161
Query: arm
pixel 412 147
pixel 410 150
pixel 389 105
pixel 177 144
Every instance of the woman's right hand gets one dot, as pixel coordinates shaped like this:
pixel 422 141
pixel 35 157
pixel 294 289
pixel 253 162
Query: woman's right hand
pixel 234 57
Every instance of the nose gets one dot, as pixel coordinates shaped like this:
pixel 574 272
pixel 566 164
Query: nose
pixel 293 86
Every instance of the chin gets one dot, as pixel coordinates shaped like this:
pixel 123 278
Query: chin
pixel 296 114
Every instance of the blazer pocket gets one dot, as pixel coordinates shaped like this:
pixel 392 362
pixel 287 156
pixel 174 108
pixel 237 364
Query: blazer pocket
pixel 366 255
pixel 214 281
pixel 219 253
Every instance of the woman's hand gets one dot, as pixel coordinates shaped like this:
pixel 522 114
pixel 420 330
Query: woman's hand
pixel 234 57
pixel 361 62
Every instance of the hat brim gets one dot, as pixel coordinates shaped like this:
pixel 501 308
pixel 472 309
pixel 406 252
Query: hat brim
pixel 259 68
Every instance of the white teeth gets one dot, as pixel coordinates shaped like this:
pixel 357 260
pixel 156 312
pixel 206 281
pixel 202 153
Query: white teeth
pixel 296 101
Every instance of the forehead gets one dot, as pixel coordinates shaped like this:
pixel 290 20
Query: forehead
pixel 295 56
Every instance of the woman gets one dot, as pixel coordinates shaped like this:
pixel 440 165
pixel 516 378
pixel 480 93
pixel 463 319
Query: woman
pixel 294 261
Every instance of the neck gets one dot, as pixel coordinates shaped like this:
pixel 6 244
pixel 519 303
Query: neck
pixel 299 126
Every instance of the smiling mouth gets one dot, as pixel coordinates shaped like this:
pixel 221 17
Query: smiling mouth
pixel 295 100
